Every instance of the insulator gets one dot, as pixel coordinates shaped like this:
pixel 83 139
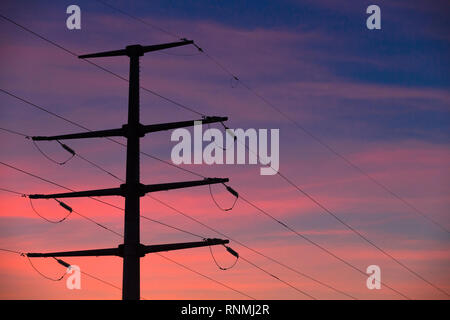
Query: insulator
pixel 232 191
pixel 234 253
pixel 68 149
pixel 63 263
pixel 65 206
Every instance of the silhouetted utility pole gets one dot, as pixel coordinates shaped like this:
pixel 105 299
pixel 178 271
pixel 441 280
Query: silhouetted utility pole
pixel 132 250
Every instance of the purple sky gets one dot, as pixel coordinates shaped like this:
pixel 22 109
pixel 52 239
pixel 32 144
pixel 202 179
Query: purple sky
pixel 380 98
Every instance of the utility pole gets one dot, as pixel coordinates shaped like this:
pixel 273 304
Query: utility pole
pixel 132 250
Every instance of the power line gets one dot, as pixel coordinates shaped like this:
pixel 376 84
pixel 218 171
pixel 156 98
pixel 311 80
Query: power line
pixel 161 160
pixel 103 281
pixel 80 214
pixel 300 273
pixel 245 200
pixel 197 221
pixel 13 131
pixel 205 276
pixel 190 109
pixel 12 251
pixel 12 191
pixel 214 230
pixel 138 19
pixel 295 122
pixel 359 234
pixel 101 67
pixel 43 275
pixel 144 217
pixel 321 247
pixel 87 129
pixel 249 248
pixel 83 272
pixel 46 219
pixel 50 158
pixel 352 229
pixel 349 162
pixel 120 235
pixel 106 228
pixel 329 148
pixel 51 221
pixel 272 275
pixel 102 169
pixel 184 214
pixel 326 145
pixel 72 53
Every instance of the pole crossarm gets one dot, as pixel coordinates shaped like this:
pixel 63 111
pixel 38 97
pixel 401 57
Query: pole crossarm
pixel 185 184
pixel 181 124
pixel 184 245
pixel 123 132
pixel 122 191
pixel 131 250
pixel 136 50
pixel 91 134
pixel 143 249
pixel 79 253
pixel 78 194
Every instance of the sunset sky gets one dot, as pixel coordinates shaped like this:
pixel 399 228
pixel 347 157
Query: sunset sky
pixel 380 98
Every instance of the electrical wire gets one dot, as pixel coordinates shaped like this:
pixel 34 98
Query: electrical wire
pixel 103 281
pixel 218 205
pixel 98 167
pixel 74 211
pixel 106 171
pixel 204 276
pixel 109 173
pixel 217 263
pixel 82 215
pixel 138 19
pixel 328 147
pixel 277 278
pixel 101 67
pixel 349 162
pixel 46 219
pixel 87 129
pixel 53 279
pixel 15 132
pixel 251 249
pixel 120 235
pixel 12 251
pixel 349 227
pixel 188 232
pixel 67 120
pixel 194 111
pixel 72 53
pixel 43 275
pixel 112 285
pixel 216 231
pixel 12 191
pixel 212 255
pixel 50 158
pixel 322 248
